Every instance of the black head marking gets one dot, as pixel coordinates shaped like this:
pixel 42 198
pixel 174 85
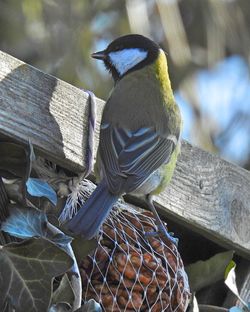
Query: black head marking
pixel 128 42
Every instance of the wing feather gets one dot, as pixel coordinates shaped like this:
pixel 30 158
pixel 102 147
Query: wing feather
pixel 128 158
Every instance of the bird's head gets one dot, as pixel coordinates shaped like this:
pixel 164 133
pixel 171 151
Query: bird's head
pixel 128 53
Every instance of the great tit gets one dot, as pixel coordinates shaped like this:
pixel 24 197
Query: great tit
pixel 139 133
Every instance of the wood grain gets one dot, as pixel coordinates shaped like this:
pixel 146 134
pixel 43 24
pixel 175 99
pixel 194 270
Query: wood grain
pixel 46 110
pixel 208 194
pixel 212 195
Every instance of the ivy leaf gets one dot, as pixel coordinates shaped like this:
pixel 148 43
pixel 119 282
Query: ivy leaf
pixel 61 239
pixel 83 247
pixel 4 213
pixel 24 222
pixel 90 306
pixel 193 304
pixel 27 271
pixel 64 293
pixel 230 281
pixel 205 273
pixel 39 188
pixel 60 307
pixel 4 200
pixel 27 222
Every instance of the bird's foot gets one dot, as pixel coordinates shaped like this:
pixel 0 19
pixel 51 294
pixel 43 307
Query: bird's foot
pixel 167 235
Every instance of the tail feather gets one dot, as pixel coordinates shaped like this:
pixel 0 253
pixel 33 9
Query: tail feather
pixel 91 216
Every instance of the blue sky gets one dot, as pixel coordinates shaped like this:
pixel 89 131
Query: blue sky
pixel 223 93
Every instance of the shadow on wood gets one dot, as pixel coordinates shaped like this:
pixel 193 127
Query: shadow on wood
pixel 25 109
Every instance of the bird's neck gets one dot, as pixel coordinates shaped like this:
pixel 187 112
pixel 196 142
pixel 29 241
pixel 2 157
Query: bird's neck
pixel 161 70
pixel 143 98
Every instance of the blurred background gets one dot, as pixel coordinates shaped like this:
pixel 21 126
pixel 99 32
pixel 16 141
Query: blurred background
pixel 208 46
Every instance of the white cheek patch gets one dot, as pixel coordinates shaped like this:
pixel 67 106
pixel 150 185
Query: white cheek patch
pixel 126 59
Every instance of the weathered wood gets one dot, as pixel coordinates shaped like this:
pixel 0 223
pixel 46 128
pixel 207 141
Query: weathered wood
pixel 213 195
pixel 207 193
pixel 46 110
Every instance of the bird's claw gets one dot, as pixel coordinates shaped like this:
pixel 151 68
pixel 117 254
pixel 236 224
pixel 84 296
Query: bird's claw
pixel 162 231
pixel 152 233
pixel 168 235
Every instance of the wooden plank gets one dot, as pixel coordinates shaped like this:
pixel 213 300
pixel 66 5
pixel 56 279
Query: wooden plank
pixel 212 195
pixel 46 110
pixel 207 193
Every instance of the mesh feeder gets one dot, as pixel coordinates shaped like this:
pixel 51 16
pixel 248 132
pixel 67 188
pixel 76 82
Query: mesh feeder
pixel 131 271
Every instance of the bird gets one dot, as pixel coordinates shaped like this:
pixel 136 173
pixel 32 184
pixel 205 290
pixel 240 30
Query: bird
pixel 139 133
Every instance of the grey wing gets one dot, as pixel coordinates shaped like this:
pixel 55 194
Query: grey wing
pixel 129 157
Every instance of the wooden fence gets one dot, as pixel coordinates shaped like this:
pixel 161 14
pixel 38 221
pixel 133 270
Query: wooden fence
pixel 207 194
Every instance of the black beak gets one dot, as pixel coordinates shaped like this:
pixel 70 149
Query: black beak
pixel 101 55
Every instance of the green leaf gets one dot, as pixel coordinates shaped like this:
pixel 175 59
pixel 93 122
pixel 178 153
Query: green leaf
pixel 60 307
pixel 230 266
pixel 230 281
pixel 4 200
pixel 26 273
pixel 16 162
pixel 64 293
pixel 90 306
pixel 82 247
pixel 24 222
pixel 193 304
pixel 8 307
pixel 40 188
pixel 205 273
pixel 60 239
